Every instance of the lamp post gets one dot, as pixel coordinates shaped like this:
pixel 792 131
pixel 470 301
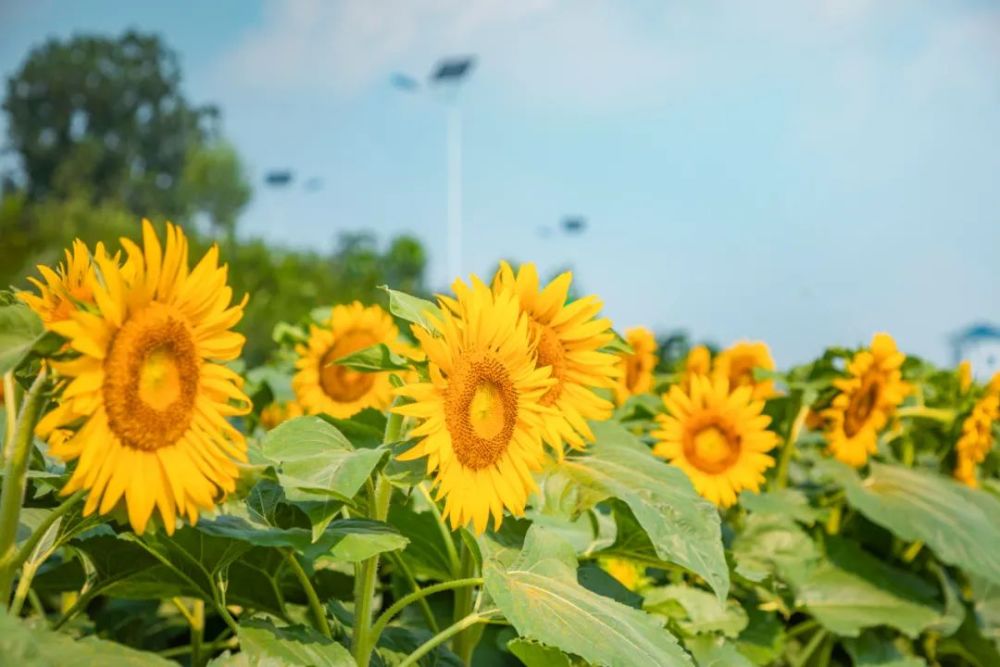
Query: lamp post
pixel 446 77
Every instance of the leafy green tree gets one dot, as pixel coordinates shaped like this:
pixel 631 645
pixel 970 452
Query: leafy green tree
pixel 213 184
pixel 104 118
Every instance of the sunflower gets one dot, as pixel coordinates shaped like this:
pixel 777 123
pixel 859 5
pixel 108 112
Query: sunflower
pixel 638 375
pixel 697 362
pixel 629 574
pixel 568 336
pixel 322 386
pixel 717 436
pixel 149 400
pixel 481 412
pixel 738 361
pixel 70 285
pixel 976 440
pixel 868 397
pixel 277 412
pixel 965 472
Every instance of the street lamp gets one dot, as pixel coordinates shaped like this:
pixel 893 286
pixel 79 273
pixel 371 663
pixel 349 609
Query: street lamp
pixel 446 77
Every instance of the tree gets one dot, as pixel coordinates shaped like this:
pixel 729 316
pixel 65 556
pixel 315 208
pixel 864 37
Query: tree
pixel 104 118
pixel 213 184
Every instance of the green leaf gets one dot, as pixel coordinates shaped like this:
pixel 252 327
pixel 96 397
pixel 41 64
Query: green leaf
pixel 970 646
pixel 295 645
pixel 533 654
pixel 768 543
pixel 873 650
pixel 364 430
pixel 27 644
pixel 593 577
pixel 763 640
pixel 701 612
pixel 345 540
pixel 427 552
pixel 683 527
pixel 412 309
pixel 850 590
pixel 715 652
pixel 958 523
pixel 314 459
pixel 20 329
pixel 540 596
pixel 374 359
pixel 397 642
pixel 784 501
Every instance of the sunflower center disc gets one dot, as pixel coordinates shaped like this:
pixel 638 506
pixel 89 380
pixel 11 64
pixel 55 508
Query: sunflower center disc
pixel 551 353
pixel 713 450
pixel 860 408
pixel 341 383
pixel 480 411
pixel 151 380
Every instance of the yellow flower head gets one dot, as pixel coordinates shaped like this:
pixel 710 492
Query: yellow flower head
pixel 868 397
pixel 322 386
pixel 638 375
pixel 976 440
pixel 568 336
pixel 964 376
pixel 629 574
pixel 736 363
pixel 481 413
pixel 278 412
pixel 66 288
pixel 698 362
pixel 717 436
pixel 149 398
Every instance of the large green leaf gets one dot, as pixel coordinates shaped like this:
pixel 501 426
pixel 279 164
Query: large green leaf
pixel 873 650
pixel 20 329
pixel 539 594
pixel 427 554
pixel 313 459
pixel 265 644
pixel 411 308
pixel 345 540
pixel 696 611
pixel 27 645
pixel 958 523
pixel 769 542
pixel 374 359
pixel 711 651
pixel 682 526
pixel 533 654
pixel 763 640
pixel 850 590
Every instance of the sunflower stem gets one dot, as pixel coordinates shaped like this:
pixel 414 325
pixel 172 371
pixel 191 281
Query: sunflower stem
pixel 449 543
pixel 197 633
pixel 315 606
pixel 15 481
pixel 366 573
pixel 412 581
pixel 780 480
pixel 445 635
pixel 10 402
pixel 29 544
pixel 464 642
pixel 937 414
pixel 419 595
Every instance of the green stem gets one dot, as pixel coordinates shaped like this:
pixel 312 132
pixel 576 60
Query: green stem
pixel 908 453
pixel 938 414
pixel 15 481
pixel 780 480
pixel 318 612
pixel 443 636
pixel 809 649
pixel 400 564
pixel 804 626
pixel 198 633
pixel 449 543
pixel 29 544
pixel 463 644
pixel 366 574
pixel 207 649
pixel 912 551
pixel 82 600
pixel 10 402
pixel 833 522
pixel 420 594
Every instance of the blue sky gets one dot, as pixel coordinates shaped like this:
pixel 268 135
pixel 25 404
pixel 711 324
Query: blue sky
pixel 801 173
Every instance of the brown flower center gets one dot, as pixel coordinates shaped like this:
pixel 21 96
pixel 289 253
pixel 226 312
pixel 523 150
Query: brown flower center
pixel 341 383
pixel 480 410
pixel 151 377
pixel 712 447
pixel 861 406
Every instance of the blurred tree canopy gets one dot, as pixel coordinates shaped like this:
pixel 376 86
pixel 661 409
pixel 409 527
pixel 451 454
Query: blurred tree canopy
pixel 104 137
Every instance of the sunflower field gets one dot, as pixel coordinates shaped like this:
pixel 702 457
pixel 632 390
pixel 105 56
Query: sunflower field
pixel 497 477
